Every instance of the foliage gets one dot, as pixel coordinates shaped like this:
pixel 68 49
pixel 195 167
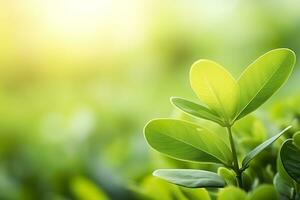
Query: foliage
pixel 287 180
pixel 226 101
pixel 80 79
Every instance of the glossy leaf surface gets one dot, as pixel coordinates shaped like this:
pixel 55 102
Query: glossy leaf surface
pixel 186 141
pixel 196 110
pixel 263 78
pixel 252 154
pixel 215 86
pixel 290 157
pixel 190 178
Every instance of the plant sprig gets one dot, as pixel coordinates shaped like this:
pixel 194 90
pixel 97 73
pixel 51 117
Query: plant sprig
pixel 226 101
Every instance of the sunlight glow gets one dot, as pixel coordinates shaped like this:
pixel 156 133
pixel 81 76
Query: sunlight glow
pixel 77 18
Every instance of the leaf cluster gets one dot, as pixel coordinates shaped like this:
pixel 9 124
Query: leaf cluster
pixel 225 101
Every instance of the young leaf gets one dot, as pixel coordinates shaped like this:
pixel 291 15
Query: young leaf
pixel 215 87
pixel 228 175
pixel 186 141
pixel 263 78
pixel 196 110
pixel 252 154
pixel 290 157
pixel 191 178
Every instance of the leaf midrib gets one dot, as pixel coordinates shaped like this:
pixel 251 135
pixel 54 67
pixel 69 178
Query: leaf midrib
pixel 212 89
pixel 224 163
pixel 251 100
pixel 213 115
pixel 217 146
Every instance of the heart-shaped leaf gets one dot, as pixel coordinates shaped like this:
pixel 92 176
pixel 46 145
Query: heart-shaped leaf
pixel 186 141
pixel 252 154
pixel 263 78
pixel 216 88
pixel 196 110
pixel 191 178
pixel 290 158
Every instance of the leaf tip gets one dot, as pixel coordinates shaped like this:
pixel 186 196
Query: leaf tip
pixel 288 51
pixel 287 128
pixel 173 100
pixel 198 64
pixel 156 173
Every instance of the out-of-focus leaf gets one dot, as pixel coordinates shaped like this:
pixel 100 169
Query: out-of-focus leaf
pixel 263 192
pixel 252 154
pixel 296 139
pixel 283 187
pixel 250 126
pixel 290 157
pixel 153 188
pixel 215 86
pixel 196 110
pixel 247 180
pixel 228 175
pixel 84 189
pixel 200 193
pixel 186 141
pixel 263 78
pixel 232 193
pixel 191 178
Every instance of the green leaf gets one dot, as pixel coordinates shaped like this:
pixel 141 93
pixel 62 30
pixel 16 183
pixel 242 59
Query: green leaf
pixel 215 86
pixel 296 139
pixel 282 172
pixel 263 192
pixel 252 154
pixel 263 78
pixel 290 157
pixel 283 187
pixel 196 110
pixel 232 193
pixel 84 189
pixel 228 175
pixel 191 193
pixel 191 178
pixel 186 141
pixel 163 190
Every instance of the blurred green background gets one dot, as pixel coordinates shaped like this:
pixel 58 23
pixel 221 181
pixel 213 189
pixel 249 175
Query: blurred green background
pixel 80 78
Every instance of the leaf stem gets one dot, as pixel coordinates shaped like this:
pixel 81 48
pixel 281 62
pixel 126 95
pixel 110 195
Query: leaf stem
pixel 236 167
